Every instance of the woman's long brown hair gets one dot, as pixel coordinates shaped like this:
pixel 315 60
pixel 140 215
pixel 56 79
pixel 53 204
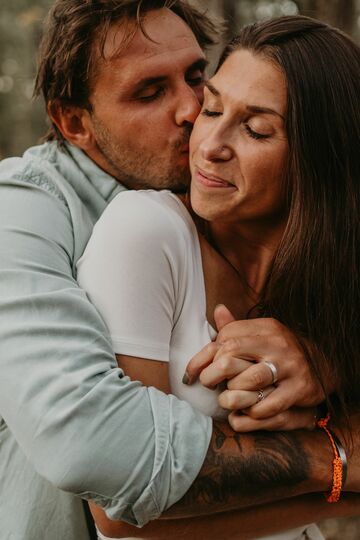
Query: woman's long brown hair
pixel 314 287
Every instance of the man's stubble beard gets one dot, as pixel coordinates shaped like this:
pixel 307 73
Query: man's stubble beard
pixel 136 168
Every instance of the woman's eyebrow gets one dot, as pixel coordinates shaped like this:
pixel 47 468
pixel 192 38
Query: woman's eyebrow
pixel 212 89
pixel 256 109
pixel 259 109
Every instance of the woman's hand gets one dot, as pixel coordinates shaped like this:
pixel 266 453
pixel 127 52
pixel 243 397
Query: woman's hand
pixel 238 356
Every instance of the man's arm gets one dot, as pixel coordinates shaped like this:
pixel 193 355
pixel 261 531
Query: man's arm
pixel 244 470
pixel 81 424
pixel 241 473
pixel 240 524
pixel 241 470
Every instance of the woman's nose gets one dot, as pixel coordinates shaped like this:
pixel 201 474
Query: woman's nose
pixel 215 150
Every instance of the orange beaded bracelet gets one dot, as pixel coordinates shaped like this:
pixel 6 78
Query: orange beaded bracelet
pixel 339 462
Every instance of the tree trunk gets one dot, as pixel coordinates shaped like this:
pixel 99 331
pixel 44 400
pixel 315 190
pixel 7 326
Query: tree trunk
pixel 340 13
pixel 229 14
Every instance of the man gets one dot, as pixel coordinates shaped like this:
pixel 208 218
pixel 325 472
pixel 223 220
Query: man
pixel 73 427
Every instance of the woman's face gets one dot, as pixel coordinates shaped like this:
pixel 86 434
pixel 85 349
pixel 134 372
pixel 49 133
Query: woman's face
pixel 238 147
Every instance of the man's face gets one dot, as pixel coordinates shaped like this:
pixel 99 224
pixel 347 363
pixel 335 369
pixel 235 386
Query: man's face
pixel 144 102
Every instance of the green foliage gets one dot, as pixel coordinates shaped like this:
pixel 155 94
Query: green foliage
pixel 21 120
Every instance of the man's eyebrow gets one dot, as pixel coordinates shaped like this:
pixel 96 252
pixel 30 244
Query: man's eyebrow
pixel 149 81
pixel 200 65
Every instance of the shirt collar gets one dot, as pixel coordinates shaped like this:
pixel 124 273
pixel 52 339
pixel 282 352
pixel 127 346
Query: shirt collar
pixel 105 184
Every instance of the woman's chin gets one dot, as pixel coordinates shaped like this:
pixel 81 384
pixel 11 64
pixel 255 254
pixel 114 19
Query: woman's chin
pixel 206 211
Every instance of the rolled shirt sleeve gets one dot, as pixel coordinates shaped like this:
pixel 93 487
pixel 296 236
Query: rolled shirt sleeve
pixel 81 423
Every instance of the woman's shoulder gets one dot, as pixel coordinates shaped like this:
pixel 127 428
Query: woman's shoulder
pixel 147 212
pixel 163 201
pixel 147 219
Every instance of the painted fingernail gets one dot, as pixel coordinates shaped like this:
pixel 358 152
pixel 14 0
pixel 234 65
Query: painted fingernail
pixel 186 378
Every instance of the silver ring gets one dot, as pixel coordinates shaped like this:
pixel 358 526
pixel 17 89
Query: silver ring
pixel 260 396
pixel 273 370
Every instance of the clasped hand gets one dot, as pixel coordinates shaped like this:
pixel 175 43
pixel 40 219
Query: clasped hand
pixel 238 357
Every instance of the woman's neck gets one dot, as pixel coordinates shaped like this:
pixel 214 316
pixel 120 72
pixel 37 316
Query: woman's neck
pixel 249 249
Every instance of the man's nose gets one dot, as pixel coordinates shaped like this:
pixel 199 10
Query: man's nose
pixel 187 106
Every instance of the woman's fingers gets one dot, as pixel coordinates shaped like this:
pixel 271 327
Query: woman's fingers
pixel 222 316
pixel 222 368
pixel 198 362
pixel 280 400
pixel 251 355
pixel 242 399
pixel 216 363
pixel 255 377
pixel 277 401
pixel 295 418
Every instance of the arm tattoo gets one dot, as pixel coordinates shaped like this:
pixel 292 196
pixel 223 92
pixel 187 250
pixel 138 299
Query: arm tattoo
pixel 247 469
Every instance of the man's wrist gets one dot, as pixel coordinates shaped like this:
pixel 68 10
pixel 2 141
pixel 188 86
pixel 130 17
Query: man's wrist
pixel 317 448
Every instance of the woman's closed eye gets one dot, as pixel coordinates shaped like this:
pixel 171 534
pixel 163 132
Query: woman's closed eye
pixel 207 112
pixel 255 134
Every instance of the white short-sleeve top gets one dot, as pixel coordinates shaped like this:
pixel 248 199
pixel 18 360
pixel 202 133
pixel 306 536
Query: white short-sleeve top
pixel 142 269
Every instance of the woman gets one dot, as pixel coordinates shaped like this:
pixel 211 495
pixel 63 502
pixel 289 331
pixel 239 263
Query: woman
pixel 275 189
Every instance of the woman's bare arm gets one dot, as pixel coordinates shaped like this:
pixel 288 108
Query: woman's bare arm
pixel 149 372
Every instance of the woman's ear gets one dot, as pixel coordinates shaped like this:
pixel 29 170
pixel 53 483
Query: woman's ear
pixel 74 123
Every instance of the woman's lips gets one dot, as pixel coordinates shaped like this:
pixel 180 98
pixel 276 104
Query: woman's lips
pixel 210 180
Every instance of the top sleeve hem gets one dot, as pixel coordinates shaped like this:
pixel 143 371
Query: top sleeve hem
pixel 141 350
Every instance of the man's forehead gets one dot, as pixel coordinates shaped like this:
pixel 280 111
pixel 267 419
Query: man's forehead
pixel 166 45
pixel 161 32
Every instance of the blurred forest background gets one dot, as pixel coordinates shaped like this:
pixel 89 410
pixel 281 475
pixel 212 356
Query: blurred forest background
pixel 22 119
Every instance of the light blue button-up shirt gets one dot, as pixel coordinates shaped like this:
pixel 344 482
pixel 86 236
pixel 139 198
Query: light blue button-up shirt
pixel 72 425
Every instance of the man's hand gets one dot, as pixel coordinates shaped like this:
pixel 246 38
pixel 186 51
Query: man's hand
pixel 237 356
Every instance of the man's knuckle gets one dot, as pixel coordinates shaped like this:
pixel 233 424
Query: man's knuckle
pixel 274 325
pixel 228 346
pixel 210 348
pixel 224 363
pixel 231 345
pixel 279 343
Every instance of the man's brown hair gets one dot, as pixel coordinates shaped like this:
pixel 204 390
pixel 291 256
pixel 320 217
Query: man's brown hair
pixel 74 39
